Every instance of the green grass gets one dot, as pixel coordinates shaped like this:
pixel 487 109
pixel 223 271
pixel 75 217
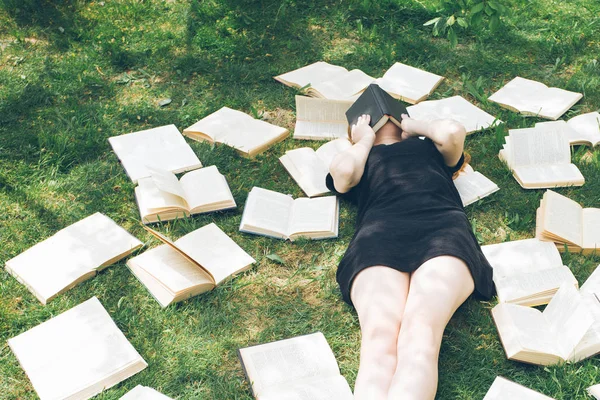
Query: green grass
pixel 73 73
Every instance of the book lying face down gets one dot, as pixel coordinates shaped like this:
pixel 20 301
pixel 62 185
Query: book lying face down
pixel 377 103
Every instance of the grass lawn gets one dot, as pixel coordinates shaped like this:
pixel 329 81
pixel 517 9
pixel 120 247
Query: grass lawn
pixel 74 72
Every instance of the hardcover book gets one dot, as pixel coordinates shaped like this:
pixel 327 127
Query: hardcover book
pixel 377 103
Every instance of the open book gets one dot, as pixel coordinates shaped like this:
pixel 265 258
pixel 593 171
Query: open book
pixel 71 256
pixel 277 215
pixel 564 222
pixel 473 185
pixel 321 119
pixel 144 393
pixel 594 391
pixel 584 129
pixel 234 128
pixel 76 354
pixel 327 81
pixel 300 368
pixel 457 108
pixel 309 167
pixel 533 98
pixel 163 148
pixel 503 389
pixel 193 264
pixel 527 272
pixel 409 84
pixel 163 197
pixel 590 294
pixel 547 337
pixel 540 158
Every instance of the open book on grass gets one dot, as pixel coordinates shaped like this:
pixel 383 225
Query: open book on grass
pixel 564 222
pixel 457 108
pixel 163 197
pixel 71 256
pixel 533 98
pixel 193 264
pixel 239 130
pixel 409 84
pixel 300 368
pixel 503 389
pixel 527 272
pixel 278 215
pixel 327 81
pixel 321 119
pixel 309 167
pixel 163 148
pixel 540 158
pixel 547 337
pixel 473 185
pixel 144 393
pixel 584 129
pixel 590 294
pixel 77 354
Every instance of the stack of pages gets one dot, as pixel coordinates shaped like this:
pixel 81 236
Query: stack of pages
pixel 540 158
pixel 473 185
pixel 503 389
pixel 144 393
pixel 72 255
pixel 527 272
pixel 533 98
pixel 564 222
pixel 409 84
pixel 278 215
pixel 303 367
pixel 193 264
pixel 234 128
pixel 162 197
pixel 321 119
pixel 76 354
pixel 457 108
pixel 163 148
pixel 309 168
pixel 327 81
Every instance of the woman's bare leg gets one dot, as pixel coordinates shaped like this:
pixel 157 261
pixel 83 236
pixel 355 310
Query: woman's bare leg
pixel 379 296
pixel 437 289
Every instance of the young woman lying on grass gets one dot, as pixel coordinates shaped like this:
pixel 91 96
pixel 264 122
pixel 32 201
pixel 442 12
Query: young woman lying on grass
pixel 413 259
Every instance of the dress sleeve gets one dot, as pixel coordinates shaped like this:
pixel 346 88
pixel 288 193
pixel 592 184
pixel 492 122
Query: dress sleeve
pixel 458 165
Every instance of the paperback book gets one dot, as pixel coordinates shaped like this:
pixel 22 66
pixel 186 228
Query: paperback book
pixel 409 84
pixel 473 185
pixel 320 119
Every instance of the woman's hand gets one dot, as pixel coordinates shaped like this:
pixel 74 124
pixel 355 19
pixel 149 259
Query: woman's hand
pixel 362 130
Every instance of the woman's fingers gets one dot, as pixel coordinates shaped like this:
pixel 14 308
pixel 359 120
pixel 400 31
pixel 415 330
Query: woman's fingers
pixel 414 126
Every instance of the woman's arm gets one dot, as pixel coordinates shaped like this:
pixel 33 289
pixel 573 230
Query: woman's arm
pixel 447 135
pixel 347 168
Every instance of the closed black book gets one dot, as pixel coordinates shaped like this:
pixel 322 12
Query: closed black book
pixel 377 103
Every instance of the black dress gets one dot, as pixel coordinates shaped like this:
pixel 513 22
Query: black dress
pixel 409 211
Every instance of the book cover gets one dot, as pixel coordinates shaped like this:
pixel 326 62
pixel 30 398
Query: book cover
pixel 377 103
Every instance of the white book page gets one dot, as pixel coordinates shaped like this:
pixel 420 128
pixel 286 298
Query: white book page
pixel 585 127
pixel 562 217
pixel 321 118
pixel 311 169
pixel 220 123
pixel 267 209
pixel 526 329
pixel 313 215
pixel 549 176
pixel 591 228
pixel 344 86
pixel 251 134
pixel 590 343
pixel 329 150
pixel 166 181
pixel 205 186
pixel 591 284
pixel 503 389
pixel 559 125
pixel 151 199
pixel 163 148
pixel 409 82
pixel 554 102
pixel 73 351
pixel 313 73
pixel 77 250
pixel 473 186
pixel 171 269
pixel 519 93
pixel 529 284
pixel 210 247
pixel 534 146
pixel 568 318
pixel 291 361
pixel 512 259
pixel 144 393
pixel 335 388
pixel 594 391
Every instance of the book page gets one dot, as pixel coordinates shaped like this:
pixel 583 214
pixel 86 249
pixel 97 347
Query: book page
pixel 144 393
pixel 313 73
pixel 216 252
pixel 152 200
pixel 559 125
pixel 163 148
pixel 590 343
pixel 585 127
pixel 591 284
pixel 535 146
pixel 205 186
pixel 473 186
pixel 335 388
pixel 503 389
pixel 321 118
pixel 166 181
pixel 220 123
pixel 313 215
pixel 329 150
pixel 74 351
pixel 591 228
pixel 554 102
pixel 409 82
pixel 294 361
pixel 309 170
pixel 562 217
pixel 250 135
pixel 518 288
pixel 343 86
pixel 549 176
pixel 521 94
pixel 568 318
pixel 266 209
pixel 594 391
